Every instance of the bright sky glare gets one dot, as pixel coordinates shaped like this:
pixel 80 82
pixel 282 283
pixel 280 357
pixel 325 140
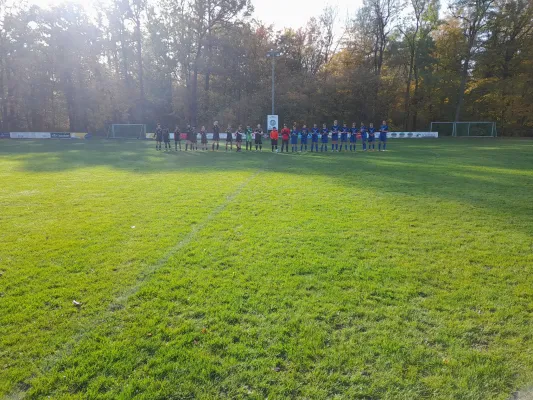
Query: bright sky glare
pixel 280 13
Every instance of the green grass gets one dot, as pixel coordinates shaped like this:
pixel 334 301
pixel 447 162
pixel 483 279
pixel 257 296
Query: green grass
pixel 398 275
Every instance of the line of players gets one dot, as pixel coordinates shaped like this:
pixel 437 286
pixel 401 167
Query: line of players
pixel 348 137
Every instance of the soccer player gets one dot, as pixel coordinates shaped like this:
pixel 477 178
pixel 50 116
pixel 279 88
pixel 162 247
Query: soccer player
pixel 335 136
pixel 229 138
pixel 303 141
pixel 325 136
pixel 314 137
pixel 344 137
pixel 158 137
pixel 294 138
pixel 238 138
pixel 216 136
pixel 353 137
pixel 177 138
pixel 189 137
pixel 285 134
pixel 248 134
pixel 274 135
pixel 203 138
pixel 258 134
pixel 364 135
pixel 194 139
pixel 371 138
pixel 383 130
pixel 166 139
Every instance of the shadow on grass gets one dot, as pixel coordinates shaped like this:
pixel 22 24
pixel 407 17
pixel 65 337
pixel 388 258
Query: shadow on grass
pixel 463 171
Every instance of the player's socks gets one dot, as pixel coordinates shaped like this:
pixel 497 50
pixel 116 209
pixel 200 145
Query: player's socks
pixel 384 146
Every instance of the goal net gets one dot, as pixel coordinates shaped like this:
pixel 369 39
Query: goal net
pixel 465 129
pixel 127 131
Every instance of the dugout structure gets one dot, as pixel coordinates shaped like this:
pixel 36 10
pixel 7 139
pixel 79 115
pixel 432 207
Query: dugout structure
pixel 465 129
pixel 127 131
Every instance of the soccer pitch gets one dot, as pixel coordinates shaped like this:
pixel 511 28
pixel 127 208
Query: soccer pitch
pixel 398 275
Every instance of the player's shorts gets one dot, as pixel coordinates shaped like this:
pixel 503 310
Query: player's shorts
pixel 294 140
pixel 344 138
pixel 314 139
pixel 352 139
pixel 383 137
pixel 364 137
pixel 334 138
pixel 166 139
pixel 177 137
pixel 258 139
pixel 274 142
pixel 304 140
pixel 371 138
pixel 229 138
pixel 324 140
pixel 204 140
pixel 159 138
pixel 216 137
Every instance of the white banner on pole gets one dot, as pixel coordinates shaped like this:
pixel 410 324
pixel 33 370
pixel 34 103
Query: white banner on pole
pixel 272 122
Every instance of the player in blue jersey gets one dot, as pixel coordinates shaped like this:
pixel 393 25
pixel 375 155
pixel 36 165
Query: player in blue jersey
pixel 303 140
pixel 344 137
pixel 294 138
pixel 314 137
pixel 353 136
pixel 371 137
pixel 364 135
pixel 324 136
pixel 229 138
pixel 383 130
pixel 335 136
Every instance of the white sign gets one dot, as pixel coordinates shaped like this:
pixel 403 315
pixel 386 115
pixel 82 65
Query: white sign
pixel 272 122
pixel 412 135
pixel 30 135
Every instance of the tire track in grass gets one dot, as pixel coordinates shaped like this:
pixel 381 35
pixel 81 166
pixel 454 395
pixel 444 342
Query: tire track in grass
pixel 120 301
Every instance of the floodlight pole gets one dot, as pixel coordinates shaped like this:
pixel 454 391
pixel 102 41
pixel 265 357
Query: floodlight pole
pixel 273 54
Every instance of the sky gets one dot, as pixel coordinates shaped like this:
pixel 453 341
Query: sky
pixel 296 13
pixel 280 13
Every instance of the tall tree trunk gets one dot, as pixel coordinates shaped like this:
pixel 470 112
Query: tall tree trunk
pixel 462 86
pixel 415 98
pixel 140 64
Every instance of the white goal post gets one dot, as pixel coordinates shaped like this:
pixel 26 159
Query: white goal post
pixel 127 131
pixel 465 129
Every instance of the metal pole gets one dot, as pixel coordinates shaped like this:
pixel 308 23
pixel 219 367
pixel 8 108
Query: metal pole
pixel 273 81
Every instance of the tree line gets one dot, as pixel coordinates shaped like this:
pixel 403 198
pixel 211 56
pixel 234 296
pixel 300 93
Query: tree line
pixel 196 61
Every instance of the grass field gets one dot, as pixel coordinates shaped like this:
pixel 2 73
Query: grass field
pixel 398 275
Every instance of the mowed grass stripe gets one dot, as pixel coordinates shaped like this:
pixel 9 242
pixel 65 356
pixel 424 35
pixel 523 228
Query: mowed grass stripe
pixel 333 276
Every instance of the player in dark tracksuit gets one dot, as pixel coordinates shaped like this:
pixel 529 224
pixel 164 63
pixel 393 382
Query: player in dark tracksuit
pixel 216 136
pixel 177 138
pixel 335 136
pixel 203 138
pixel 324 137
pixel 229 138
pixel 294 139
pixel 158 137
pixel 258 136
pixel 166 139
pixel 314 137
pixel 344 137
pixel 304 135
pixel 353 137
pixel 371 138
pixel 383 130
pixel 238 138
